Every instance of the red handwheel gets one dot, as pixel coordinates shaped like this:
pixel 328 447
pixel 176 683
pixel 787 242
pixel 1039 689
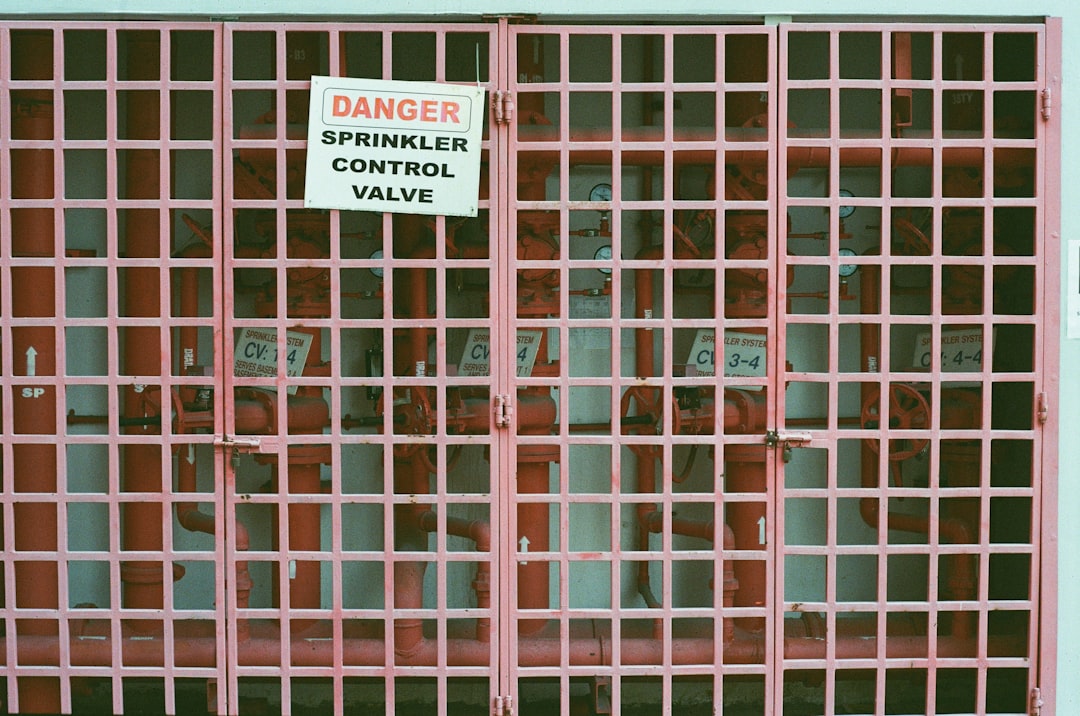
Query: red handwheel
pixel 908 410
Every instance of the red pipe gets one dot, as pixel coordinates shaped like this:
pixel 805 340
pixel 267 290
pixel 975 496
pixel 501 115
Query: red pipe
pixel 745 464
pixel 141 472
pixel 33 295
pixel 798 157
pixel 187 513
pixel 536 414
pixel 744 470
pixel 198 649
pixel 411 477
pixel 479 532
pixel 191 519
pixel 962 581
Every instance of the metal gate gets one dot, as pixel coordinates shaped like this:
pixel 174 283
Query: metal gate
pixel 670 425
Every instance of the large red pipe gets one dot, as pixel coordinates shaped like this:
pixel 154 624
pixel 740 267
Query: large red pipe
pixel 798 157
pixel 198 649
pixel 141 473
pixel 33 295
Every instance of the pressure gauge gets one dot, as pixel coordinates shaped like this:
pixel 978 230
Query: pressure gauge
pixel 376 255
pixel 603 254
pixel 600 192
pixel 848 210
pixel 847 270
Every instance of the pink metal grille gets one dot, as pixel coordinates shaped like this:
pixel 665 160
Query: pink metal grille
pixel 370 497
pixel 106 130
pixel 641 159
pixel 914 192
pixel 617 443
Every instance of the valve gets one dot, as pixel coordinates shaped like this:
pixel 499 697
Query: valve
pixel 647 417
pixel 908 410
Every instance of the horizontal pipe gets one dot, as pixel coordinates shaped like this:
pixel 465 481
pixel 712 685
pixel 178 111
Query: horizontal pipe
pixel 799 157
pixel 201 651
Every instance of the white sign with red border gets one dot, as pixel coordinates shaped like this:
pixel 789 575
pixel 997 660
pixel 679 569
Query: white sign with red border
pixel 401 147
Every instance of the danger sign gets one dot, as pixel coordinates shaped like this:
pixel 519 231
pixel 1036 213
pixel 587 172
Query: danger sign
pixel 403 147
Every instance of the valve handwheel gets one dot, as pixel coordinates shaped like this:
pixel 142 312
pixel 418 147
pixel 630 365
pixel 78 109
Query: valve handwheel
pixel 645 402
pixel 908 410
pixel 416 420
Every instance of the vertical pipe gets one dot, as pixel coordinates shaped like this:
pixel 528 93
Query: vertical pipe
pixel 187 513
pixel 744 468
pixel 534 576
pixel 142 519
pixel 33 291
pixel 410 477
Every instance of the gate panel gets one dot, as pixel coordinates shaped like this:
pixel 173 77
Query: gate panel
pixel 913 336
pixel 110 153
pixel 640 203
pixel 360 493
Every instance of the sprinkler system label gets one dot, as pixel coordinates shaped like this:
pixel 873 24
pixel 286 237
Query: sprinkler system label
pixel 403 147
pixel 961 351
pixel 744 354
pixel 476 358
pixel 257 351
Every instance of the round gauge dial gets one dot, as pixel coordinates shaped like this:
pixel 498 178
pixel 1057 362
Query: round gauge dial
pixel 848 210
pixel 376 255
pixel 847 270
pixel 603 254
pixel 600 192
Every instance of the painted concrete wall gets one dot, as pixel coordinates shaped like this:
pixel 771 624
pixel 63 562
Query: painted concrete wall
pixel 1066 403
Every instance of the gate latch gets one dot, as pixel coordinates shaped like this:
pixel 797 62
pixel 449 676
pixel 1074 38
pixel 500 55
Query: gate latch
pixel 248 443
pixel 786 441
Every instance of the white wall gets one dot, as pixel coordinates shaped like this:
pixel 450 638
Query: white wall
pixel 1068 407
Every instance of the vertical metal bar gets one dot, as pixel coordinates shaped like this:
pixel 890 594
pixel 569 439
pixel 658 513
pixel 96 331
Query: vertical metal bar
pixel 1048 469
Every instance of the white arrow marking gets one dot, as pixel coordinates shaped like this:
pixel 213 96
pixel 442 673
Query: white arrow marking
pixel 761 530
pixel 31 361
pixel 523 545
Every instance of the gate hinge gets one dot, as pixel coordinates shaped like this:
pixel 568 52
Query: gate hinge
pixel 504 706
pixel 1036 703
pixel 503 410
pixel 502 103
pixel 1044 408
pixel 1047 104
